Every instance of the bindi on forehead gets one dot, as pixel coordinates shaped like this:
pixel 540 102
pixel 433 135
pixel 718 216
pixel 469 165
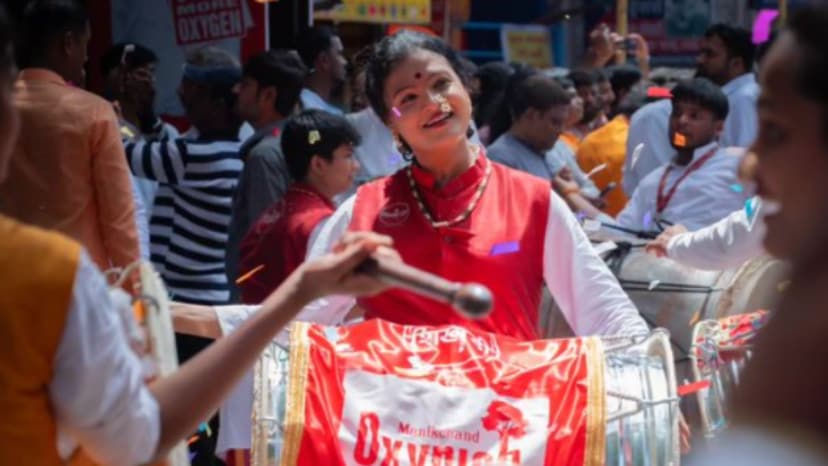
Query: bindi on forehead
pixel 418 75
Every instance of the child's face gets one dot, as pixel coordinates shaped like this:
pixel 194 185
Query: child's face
pixel 339 173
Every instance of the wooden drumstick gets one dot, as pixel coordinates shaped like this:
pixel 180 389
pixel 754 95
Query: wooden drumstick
pixel 471 300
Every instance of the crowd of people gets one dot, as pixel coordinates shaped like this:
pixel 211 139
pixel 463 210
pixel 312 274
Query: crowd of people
pixel 263 210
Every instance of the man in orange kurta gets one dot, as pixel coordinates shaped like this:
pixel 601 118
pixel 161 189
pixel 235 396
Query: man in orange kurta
pixel 68 171
pixel 607 145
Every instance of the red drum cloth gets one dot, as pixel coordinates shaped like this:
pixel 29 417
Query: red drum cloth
pixel 378 393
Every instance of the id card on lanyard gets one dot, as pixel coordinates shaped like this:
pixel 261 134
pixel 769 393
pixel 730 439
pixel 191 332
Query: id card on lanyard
pixel 663 198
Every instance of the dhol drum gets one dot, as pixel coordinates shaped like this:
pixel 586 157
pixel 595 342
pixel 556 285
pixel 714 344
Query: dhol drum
pixel 639 400
pixel 676 297
pixel 721 348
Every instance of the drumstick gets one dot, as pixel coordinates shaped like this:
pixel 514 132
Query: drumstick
pixel 595 170
pixel 471 300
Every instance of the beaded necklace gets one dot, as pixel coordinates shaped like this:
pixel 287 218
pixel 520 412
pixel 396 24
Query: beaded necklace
pixel 464 215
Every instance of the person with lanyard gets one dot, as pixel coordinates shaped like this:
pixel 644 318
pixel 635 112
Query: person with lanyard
pixel 700 185
pixel 726 244
pixel 778 414
pixel 266 95
pixel 648 139
pixel 70 371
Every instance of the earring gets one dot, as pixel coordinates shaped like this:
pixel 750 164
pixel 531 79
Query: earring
pixel 403 147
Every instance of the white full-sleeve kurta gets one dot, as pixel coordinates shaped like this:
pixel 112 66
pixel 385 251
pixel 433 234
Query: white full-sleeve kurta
pixel 97 390
pixel 725 244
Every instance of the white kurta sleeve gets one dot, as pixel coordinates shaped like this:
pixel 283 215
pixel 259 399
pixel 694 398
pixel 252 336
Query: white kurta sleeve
pixel 235 412
pixel 97 388
pixel 725 244
pixel 589 296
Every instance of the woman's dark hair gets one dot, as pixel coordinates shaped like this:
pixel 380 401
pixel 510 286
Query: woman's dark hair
pixel 810 29
pixel 493 77
pixel 392 50
pixel 314 132
pixel 703 92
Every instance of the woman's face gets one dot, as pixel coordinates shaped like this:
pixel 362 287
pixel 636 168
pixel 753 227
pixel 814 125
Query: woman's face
pixel 430 107
pixel 792 153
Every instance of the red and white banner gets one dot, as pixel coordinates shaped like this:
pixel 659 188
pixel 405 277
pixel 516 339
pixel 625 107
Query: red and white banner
pixel 384 394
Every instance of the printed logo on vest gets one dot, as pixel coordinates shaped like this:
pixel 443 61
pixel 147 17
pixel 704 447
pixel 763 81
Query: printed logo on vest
pixel 270 216
pixel 395 214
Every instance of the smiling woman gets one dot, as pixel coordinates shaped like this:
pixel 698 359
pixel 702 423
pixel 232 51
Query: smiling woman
pixel 456 213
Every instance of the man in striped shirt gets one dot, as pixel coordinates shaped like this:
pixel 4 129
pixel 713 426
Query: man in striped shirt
pixel 198 176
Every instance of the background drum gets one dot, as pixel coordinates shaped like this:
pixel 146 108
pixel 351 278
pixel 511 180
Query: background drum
pixel 721 348
pixel 676 297
pixel 640 401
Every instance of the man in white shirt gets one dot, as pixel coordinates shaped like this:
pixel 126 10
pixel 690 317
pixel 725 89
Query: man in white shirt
pixel 321 50
pixel 726 58
pixel 699 186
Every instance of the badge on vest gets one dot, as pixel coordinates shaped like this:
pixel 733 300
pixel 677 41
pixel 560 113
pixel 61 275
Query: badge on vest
pixel 395 214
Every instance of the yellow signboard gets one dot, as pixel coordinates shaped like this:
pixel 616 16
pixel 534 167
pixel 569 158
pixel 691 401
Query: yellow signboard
pixel 379 11
pixel 526 44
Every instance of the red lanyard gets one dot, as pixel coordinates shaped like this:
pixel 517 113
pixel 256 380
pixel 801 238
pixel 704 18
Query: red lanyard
pixel 662 200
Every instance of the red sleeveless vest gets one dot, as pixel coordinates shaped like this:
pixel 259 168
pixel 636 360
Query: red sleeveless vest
pixel 500 245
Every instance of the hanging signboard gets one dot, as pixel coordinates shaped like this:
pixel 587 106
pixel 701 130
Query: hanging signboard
pixel 526 44
pixel 379 11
